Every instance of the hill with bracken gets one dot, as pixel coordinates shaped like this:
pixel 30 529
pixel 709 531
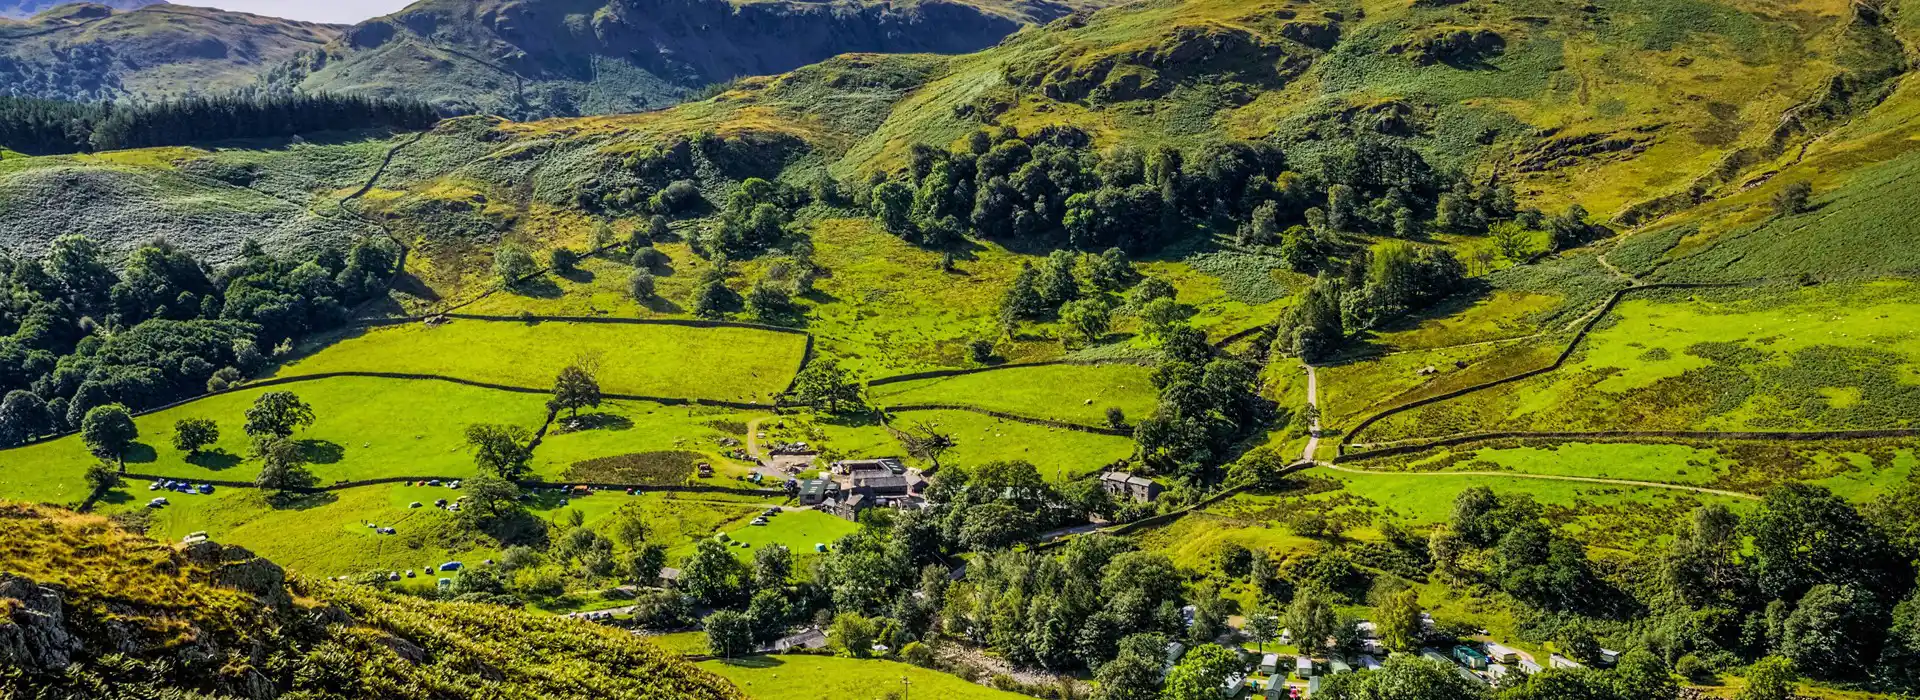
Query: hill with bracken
pixel 88 610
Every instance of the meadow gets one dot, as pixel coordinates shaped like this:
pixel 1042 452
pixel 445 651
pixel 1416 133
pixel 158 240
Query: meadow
pixel 1060 455
pixel 1076 393
pixel 621 428
pixel 327 534
pixel 797 530
pixel 731 364
pixel 323 534
pixel 808 677
pixel 1826 357
pixel 363 428
pixel 1600 515
pixel 1859 470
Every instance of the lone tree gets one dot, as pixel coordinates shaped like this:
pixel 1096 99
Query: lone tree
pixel 282 467
pixel 277 414
pixel 926 441
pixel 512 264
pixel 190 435
pixel 824 386
pixel 107 431
pixel 503 450
pixel 1792 199
pixel 101 479
pixel 575 388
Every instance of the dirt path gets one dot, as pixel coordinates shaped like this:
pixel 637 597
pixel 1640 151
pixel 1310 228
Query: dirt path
pixel 1554 477
pixel 1313 399
pixel 753 440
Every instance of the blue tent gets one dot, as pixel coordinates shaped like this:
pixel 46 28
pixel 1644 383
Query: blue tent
pixel 450 566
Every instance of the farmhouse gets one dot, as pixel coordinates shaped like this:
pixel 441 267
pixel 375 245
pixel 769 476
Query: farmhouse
pixel 847 508
pixel 814 492
pixel 879 486
pixel 1137 488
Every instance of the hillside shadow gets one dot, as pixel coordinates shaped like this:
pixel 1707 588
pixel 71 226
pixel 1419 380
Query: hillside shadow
pixel 321 451
pixel 1369 345
pixel 411 285
pixel 597 421
pixel 662 305
pixel 288 500
pixel 540 287
pixel 755 662
pixel 217 460
pixel 139 453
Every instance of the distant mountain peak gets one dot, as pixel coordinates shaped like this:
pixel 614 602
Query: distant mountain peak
pixel 23 9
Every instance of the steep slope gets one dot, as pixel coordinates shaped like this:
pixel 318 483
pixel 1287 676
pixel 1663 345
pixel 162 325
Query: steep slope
pixel 530 58
pixel 22 9
pixel 90 611
pixel 93 52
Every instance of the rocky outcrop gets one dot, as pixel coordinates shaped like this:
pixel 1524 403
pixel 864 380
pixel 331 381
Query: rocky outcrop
pixel 1454 47
pixel 33 631
pixel 241 570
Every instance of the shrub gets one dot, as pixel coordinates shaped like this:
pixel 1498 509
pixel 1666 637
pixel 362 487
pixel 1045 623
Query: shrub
pixel 562 260
pixel 640 285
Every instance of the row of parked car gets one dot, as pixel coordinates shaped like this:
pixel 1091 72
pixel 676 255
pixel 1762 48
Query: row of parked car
pixel 178 487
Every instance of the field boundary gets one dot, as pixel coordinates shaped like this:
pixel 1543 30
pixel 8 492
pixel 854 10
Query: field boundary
pixel 525 483
pixel 947 373
pixel 1030 420
pixel 604 320
pixel 1580 336
pixel 1625 436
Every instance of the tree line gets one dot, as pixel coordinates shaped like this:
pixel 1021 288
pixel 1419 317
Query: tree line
pixel 44 127
pixel 76 333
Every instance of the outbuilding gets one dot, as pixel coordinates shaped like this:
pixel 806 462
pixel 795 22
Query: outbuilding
pixel 1303 666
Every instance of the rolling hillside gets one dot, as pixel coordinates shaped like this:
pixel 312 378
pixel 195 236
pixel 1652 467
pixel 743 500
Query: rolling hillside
pixel 22 9
pixel 533 58
pixel 94 52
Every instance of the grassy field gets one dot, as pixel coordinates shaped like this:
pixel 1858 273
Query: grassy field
pixel 1061 455
pixel 808 677
pixel 1783 358
pixel 1860 470
pixel 798 530
pixel 363 428
pixel 325 534
pixel 733 364
pixel 635 428
pixel 1076 393
pixel 1604 516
